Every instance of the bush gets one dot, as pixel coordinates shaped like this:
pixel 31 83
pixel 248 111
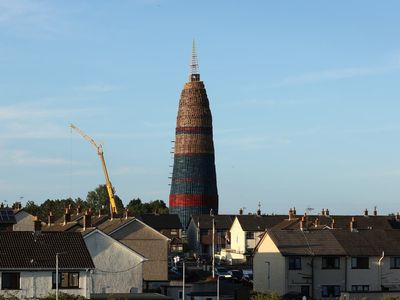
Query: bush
pixel 270 295
pixel 63 296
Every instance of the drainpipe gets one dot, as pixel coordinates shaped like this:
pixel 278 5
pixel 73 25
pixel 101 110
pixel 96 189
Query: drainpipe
pixel 345 273
pixel 380 268
pixel 312 277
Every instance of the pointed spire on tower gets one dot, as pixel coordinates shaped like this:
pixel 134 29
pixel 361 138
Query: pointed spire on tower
pixel 194 65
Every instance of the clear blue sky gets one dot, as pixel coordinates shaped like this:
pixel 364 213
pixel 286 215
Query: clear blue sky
pixel 304 96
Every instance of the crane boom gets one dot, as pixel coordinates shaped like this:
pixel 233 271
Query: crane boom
pixel 99 148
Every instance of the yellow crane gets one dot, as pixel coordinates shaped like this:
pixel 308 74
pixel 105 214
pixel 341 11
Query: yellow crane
pixel 99 148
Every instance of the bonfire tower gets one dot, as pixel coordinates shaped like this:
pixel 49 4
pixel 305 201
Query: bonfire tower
pixel 194 182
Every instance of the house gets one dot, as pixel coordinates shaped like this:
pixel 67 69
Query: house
pixel 325 263
pixel 200 233
pixel 246 231
pixel 169 225
pixel 32 272
pixel 144 240
pixel 7 218
pixel 118 269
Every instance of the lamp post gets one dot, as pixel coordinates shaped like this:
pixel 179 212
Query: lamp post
pixel 217 287
pixel 57 275
pixel 213 245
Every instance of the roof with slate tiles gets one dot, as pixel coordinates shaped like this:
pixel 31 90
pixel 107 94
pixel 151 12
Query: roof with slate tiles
pixel 37 251
pixel 161 221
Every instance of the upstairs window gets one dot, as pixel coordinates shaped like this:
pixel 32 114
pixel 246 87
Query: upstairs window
pixel 249 235
pixel 66 280
pixel 10 280
pixel 294 263
pixel 395 262
pixel 331 262
pixel 360 262
pixel 174 231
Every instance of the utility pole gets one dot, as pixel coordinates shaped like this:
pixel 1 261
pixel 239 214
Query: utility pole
pixel 57 276
pixel 213 246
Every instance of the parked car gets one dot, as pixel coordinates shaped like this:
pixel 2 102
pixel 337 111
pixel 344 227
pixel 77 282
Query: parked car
pixel 236 274
pixel 222 272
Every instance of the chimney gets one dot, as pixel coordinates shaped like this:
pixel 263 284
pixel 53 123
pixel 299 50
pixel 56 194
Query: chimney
pixel 67 216
pixel 37 224
pixel 303 223
pixel 366 213
pixel 353 224
pixel 50 219
pixel 333 223
pixel 375 211
pixel 87 220
pixel 290 214
pixel 17 206
pixel 78 209
pixel 323 212
pixel 241 211
pixel 102 211
pixel 316 222
pixel 126 214
pixel 326 212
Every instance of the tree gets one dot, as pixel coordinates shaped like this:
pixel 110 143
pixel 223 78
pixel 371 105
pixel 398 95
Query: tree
pixel 99 198
pixel 138 208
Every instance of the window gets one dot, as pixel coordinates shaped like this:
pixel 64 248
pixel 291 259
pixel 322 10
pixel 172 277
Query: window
pixel 305 290
pixel 180 295
pixel 294 263
pixel 10 280
pixel 174 231
pixel 249 235
pixel 331 262
pixel 360 288
pixel 330 291
pixel 395 262
pixel 66 280
pixel 360 262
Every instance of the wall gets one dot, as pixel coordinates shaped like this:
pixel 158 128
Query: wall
pixel 268 252
pixel 150 244
pixel 39 284
pixel 24 221
pixel 118 269
pixel 238 237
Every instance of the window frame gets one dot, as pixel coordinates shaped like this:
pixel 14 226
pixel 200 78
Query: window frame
pixel 69 279
pixel 360 288
pixel 395 262
pixel 294 263
pixel 326 266
pixel 250 235
pixel 329 291
pixel 11 280
pixel 356 262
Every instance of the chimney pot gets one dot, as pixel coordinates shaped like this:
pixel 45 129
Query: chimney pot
pixel 294 211
pixel 375 211
pixel 333 223
pixel 37 224
pixel 303 223
pixel 366 212
pixel 78 210
pixel 353 224
pixel 50 219
pixel 241 211
pixel 87 220
pixel 323 212
pixel 126 213
pixel 67 216
pixel 316 222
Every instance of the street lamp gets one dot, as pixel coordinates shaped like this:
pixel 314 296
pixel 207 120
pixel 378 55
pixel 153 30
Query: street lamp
pixel 217 287
pixel 177 259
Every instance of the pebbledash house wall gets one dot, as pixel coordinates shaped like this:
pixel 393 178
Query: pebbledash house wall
pixel 282 280
pixel 35 284
pixel 118 268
